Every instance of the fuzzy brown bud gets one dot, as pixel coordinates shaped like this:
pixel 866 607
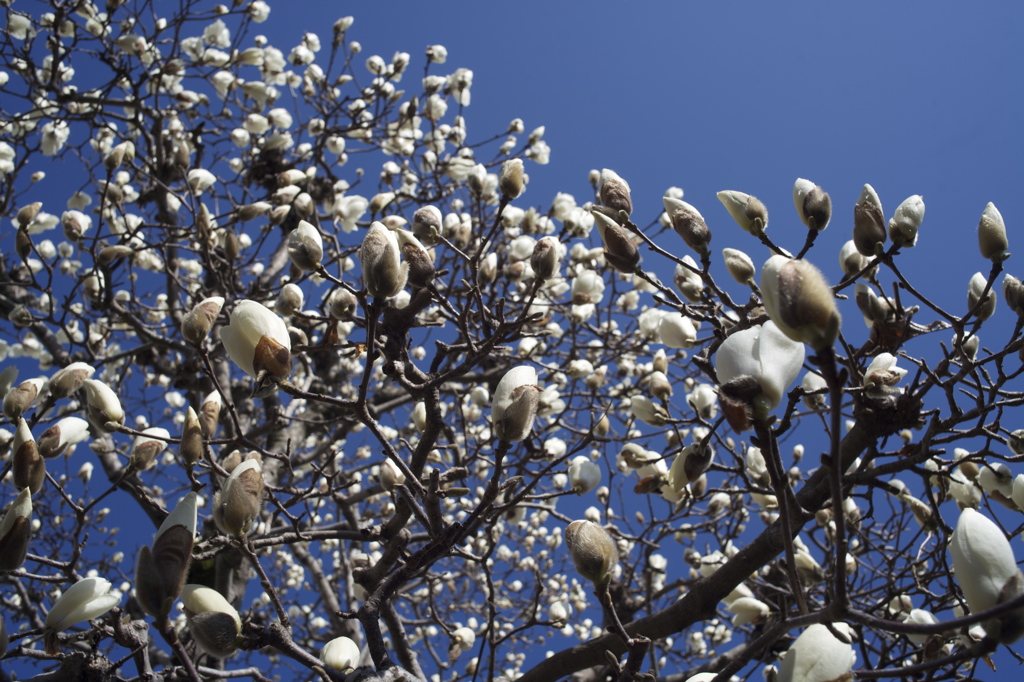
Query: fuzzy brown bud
pixel 593 550
pixel 198 322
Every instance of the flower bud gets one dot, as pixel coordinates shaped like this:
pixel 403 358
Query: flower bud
pixel 677 331
pixel 102 406
pixel 688 223
pixel 659 385
pixel 812 384
pixel 15 532
pixel 992 234
pixel 341 654
pixel 813 205
pixel 584 475
pixel 391 476
pixel 648 412
pixel 514 404
pixel 987 573
pixel 306 247
pixel 739 265
pixel 746 210
pixel 614 192
pixel 384 273
pixel 511 182
pixel 209 414
pixel 905 223
pixel 191 448
pixel 545 258
pixel 689 464
pixel 147 447
pixel 212 620
pixel 198 322
pixel 87 599
pixel 239 501
pixel 29 467
pixel 68 380
pixel 619 249
pixel 249 211
pixel 1013 292
pixel 75 225
pixel 289 300
pixel 975 288
pixel 428 225
pixel 161 571
pixel 747 610
pixel 868 222
pixel 61 436
pixel 257 340
pixel 799 301
pixel 20 398
pixel 420 263
pixel 818 655
pixel 851 260
pixel 109 254
pixel 593 551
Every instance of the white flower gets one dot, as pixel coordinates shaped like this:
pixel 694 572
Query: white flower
pixel 87 599
pixel 677 331
pixel 54 135
pixel 987 572
pixel 764 353
pixel 258 11
pixel 438 54
pixel 257 340
pixel 340 653
pixel 200 179
pixel 817 656
pixel 584 475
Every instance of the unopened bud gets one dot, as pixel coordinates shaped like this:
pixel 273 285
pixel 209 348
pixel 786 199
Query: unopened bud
pixel 28 213
pixel 905 223
pixel 209 414
pixel 1013 292
pixel 68 380
pixel 161 571
pixel 593 551
pixel 103 407
pixel 868 222
pixel 739 265
pixel 511 182
pixel 800 302
pixel 290 300
pixel 20 398
pixel 239 502
pixel 306 247
pixel 614 192
pixel 110 254
pixel 212 620
pixel 198 322
pixel 148 446
pixel 619 249
pixel 391 476
pixel 992 234
pixel 688 223
pixel 746 210
pixel 544 259
pixel 514 404
pixel 15 531
pixel 813 205
pixel 420 264
pixel 975 289
pixel 191 448
pixel 427 225
pixel 29 468
pixel 384 274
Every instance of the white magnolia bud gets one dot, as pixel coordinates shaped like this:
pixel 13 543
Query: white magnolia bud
pixel 905 223
pixel 813 205
pixel 239 501
pixel 306 247
pixel 800 302
pixel 341 653
pixel 212 620
pixel 584 475
pixel 739 265
pixel 817 655
pixel 868 222
pixel 975 289
pixel 992 234
pixel 514 404
pixel 593 551
pixel 87 599
pixel 746 210
pixel 384 274
pixel 257 340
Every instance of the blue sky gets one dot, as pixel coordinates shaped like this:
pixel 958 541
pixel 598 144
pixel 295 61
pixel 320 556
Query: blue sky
pixel 914 98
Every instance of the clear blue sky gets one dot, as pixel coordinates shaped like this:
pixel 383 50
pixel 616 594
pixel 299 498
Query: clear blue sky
pixel 912 97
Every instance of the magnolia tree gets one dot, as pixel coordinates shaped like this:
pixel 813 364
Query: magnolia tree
pixel 300 381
